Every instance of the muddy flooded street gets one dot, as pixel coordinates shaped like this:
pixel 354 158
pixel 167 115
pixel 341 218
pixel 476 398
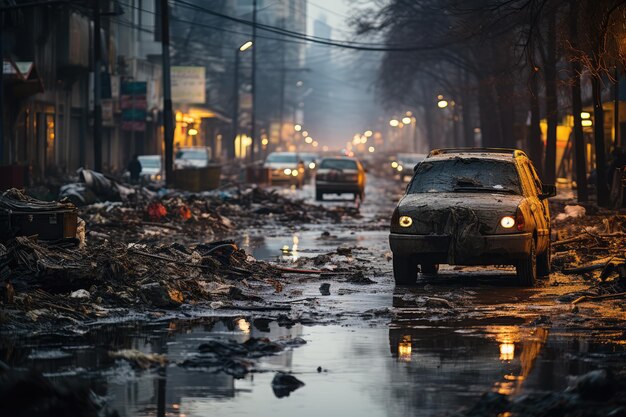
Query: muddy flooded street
pixel 343 341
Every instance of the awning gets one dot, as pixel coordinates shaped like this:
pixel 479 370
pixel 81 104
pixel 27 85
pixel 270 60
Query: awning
pixel 24 77
pixel 203 112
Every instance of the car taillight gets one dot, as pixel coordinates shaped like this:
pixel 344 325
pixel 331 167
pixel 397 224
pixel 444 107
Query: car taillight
pixel 519 220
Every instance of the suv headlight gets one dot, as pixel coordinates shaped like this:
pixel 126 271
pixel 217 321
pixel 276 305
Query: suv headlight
pixel 507 222
pixel 405 221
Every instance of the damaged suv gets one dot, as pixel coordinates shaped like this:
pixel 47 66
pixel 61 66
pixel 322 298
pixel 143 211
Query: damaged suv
pixel 476 206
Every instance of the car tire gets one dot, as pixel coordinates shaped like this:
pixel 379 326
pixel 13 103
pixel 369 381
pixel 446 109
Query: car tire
pixel 404 270
pixel 430 269
pixel 319 196
pixel 527 268
pixel 544 262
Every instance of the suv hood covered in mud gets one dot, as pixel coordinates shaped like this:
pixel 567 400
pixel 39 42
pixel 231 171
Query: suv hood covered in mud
pixel 443 213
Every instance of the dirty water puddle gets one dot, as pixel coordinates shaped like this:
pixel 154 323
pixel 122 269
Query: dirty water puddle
pixel 399 369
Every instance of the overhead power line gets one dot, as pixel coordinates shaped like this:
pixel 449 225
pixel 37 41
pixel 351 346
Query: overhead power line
pixel 313 39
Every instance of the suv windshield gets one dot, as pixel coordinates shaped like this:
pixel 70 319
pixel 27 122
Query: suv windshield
pixel 465 175
pixel 338 164
pixel 282 158
pixel 150 162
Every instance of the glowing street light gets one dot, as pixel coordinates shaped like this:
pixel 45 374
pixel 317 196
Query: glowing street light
pixel 406 120
pixel 246 46
pixel 297 128
pixel 308 139
pixel 315 144
pixel 394 123
pixel 442 104
pixel 305 133
pixel 371 149
pixel 368 133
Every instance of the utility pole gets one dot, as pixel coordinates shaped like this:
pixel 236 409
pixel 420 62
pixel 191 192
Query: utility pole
pixel 253 130
pixel 231 148
pixel 1 89
pixel 97 84
pixel 617 142
pixel 283 80
pixel 168 118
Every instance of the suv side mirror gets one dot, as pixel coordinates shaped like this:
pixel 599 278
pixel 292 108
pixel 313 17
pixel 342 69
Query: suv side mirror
pixel 547 191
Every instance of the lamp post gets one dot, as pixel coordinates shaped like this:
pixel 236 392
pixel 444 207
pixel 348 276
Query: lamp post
pixel 442 103
pixel 231 149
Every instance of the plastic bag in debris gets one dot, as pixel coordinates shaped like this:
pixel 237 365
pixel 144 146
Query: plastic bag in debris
pixel 571 212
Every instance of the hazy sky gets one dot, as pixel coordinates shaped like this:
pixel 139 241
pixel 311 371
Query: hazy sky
pixel 336 12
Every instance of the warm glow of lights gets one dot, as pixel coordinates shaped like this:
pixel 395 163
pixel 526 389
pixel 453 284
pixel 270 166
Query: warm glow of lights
pixel 405 348
pixel 246 46
pixel 368 133
pixel 400 168
pixel 175 406
pixel 363 139
pixel 585 115
pixel 297 128
pixel 243 325
pixel 371 149
pixel 179 116
pixel 409 113
pixel 507 350
pixel 442 104
pixel 325 148
pixel 192 132
pixel 305 133
pixel 315 144
pixel 264 142
pixel 287 171
pixel 294 172
pixel 439 97
pixel 394 122
pixel 405 221
pixel 311 165
pixel 507 222
pixel 406 120
pixel 586 122
pixel 394 165
pixel 308 139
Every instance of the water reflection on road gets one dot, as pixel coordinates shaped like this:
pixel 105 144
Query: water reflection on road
pixel 399 370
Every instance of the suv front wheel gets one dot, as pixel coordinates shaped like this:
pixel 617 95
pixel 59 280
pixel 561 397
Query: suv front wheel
pixel 527 267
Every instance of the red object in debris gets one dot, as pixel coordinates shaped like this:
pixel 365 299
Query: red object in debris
pixel 156 211
pixel 185 213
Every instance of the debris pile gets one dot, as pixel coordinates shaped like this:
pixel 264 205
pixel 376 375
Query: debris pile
pixel 592 246
pixel 46 282
pixel 233 358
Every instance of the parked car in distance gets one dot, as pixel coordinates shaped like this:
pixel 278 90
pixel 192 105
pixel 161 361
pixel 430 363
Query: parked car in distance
pixel 285 167
pixel 192 157
pixel 151 167
pixel 405 163
pixel 476 206
pixel 340 175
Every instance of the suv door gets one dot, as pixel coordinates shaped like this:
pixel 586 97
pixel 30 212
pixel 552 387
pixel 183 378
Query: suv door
pixel 539 208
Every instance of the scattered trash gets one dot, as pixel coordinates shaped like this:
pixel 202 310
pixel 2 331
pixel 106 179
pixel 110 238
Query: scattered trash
pixel 571 212
pixel 284 384
pixel 80 294
pixel 140 359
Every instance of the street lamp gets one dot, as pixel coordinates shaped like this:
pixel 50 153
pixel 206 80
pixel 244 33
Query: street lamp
pixel 244 47
pixel 394 123
pixel 406 120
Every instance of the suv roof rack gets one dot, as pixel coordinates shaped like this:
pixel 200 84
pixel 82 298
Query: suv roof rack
pixel 514 152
